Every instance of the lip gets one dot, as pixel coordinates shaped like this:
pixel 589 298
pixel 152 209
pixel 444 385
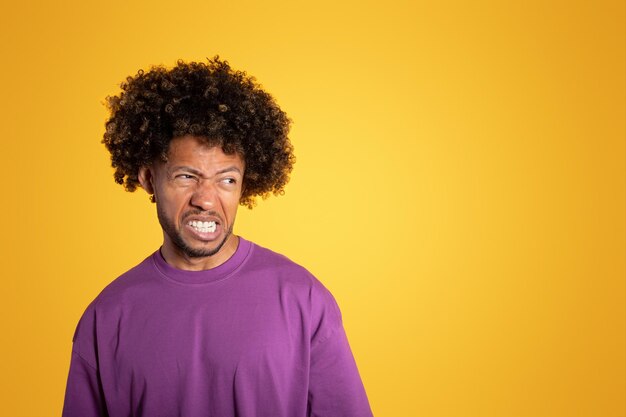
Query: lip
pixel 200 218
pixel 204 236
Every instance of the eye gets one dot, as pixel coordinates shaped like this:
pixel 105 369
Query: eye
pixel 229 181
pixel 184 177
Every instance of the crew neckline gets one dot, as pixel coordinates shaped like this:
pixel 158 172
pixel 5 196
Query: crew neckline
pixel 220 272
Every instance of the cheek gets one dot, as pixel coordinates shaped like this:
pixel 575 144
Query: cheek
pixel 174 203
pixel 231 205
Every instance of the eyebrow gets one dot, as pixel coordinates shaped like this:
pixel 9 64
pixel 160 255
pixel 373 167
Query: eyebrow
pixel 229 169
pixel 199 173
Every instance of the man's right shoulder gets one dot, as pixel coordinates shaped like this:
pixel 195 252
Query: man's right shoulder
pixel 128 283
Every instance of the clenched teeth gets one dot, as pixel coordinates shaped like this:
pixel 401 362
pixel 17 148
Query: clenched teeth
pixel 203 227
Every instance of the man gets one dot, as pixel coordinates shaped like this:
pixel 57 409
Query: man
pixel 210 324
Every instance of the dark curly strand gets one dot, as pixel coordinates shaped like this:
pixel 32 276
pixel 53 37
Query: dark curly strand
pixel 226 107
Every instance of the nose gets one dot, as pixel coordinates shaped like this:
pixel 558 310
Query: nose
pixel 204 196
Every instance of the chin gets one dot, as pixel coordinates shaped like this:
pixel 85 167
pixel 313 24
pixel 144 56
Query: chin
pixel 203 251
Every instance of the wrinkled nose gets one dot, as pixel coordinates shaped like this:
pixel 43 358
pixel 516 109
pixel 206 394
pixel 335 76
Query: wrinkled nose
pixel 204 196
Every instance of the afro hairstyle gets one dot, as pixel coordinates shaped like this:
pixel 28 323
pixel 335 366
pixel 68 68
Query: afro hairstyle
pixel 224 107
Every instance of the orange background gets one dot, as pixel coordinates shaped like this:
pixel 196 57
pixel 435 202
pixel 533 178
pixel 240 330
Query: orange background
pixel 460 187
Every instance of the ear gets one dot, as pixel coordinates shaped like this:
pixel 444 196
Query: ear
pixel 146 179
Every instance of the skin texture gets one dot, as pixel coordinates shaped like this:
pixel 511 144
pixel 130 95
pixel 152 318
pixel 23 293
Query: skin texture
pixel 197 182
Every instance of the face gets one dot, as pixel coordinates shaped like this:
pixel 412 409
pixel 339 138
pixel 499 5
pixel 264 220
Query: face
pixel 197 193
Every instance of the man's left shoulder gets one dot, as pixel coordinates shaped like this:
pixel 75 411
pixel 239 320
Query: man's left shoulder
pixel 268 262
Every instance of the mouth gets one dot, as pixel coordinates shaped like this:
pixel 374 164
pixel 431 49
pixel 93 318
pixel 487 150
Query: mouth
pixel 204 230
pixel 203 227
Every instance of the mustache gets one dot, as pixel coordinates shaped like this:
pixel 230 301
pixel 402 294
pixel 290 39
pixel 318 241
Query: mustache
pixel 202 213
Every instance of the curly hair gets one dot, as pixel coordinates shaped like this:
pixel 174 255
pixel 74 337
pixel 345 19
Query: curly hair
pixel 210 100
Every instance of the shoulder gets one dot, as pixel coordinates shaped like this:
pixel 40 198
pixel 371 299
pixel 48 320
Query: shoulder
pixel 262 257
pixel 111 300
pixel 124 288
pixel 290 276
pixel 266 262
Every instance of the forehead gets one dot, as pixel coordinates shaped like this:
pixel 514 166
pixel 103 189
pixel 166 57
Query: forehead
pixel 199 153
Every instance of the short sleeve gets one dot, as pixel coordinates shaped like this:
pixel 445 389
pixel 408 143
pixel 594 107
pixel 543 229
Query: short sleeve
pixel 335 387
pixel 83 394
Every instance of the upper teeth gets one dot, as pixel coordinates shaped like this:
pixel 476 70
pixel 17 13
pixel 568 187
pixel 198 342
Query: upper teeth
pixel 204 227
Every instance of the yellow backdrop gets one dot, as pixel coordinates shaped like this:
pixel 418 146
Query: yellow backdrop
pixel 460 187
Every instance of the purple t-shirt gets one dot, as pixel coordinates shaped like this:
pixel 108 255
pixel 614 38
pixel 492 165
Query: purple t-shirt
pixel 255 336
